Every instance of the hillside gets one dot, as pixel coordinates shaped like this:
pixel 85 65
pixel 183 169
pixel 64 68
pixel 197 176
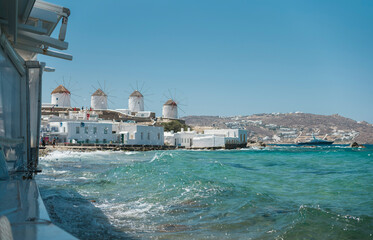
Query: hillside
pixel 290 127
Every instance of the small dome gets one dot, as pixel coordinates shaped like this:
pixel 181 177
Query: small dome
pixel 60 89
pixel 170 102
pixel 136 94
pixel 99 92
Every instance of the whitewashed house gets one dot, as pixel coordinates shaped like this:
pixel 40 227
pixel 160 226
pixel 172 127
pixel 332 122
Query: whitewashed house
pixel 180 139
pixel 145 114
pixel 131 134
pixel 234 136
pixel 82 132
pixel 83 115
pixel 209 141
pixel 124 111
pixel 60 97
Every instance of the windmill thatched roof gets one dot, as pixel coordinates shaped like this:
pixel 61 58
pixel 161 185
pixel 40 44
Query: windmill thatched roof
pixel 170 102
pixel 99 92
pixel 136 94
pixel 60 89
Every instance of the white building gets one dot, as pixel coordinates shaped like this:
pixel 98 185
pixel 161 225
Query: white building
pixel 131 134
pixel 234 136
pixel 99 100
pixel 180 139
pixel 209 141
pixel 124 111
pixel 145 114
pixel 60 97
pixel 82 132
pixel 83 115
pixel 170 109
pixel 136 102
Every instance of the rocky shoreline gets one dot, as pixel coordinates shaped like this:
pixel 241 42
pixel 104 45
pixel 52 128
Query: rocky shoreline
pixel 44 151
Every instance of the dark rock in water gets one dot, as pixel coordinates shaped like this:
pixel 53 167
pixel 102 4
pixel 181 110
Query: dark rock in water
pixel 256 144
pixel 354 144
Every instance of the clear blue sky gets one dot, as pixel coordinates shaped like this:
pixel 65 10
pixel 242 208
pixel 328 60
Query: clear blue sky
pixel 222 57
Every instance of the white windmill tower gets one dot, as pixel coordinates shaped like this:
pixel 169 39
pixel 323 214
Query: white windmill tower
pixel 61 97
pixel 170 109
pixel 136 102
pixel 99 100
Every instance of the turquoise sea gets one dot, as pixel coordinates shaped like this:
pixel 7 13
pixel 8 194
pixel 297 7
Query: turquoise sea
pixel 274 193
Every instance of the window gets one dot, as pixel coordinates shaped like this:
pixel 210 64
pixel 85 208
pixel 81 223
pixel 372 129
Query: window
pixel 104 140
pixel 86 130
pixel 105 130
pixel 142 136
pixel 64 129
pixel 77 130
pixel 148 136
pixel 94 130
pixel 96 140
pixel 159 136
pixel 87 141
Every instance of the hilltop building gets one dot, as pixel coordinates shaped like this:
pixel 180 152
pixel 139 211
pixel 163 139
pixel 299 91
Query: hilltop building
pixel 170 109
pixel 60 97
pixel 99 100
pixel 136 102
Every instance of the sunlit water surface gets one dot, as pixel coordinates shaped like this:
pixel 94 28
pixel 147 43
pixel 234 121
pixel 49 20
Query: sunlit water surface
pixel 275 193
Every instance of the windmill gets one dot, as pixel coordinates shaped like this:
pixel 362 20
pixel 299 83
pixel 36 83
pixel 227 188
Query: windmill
pixel 61 96
pixel 171 106
pixel 99 99
pixel 136 101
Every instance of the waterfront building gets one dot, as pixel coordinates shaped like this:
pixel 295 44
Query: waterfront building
pixel 170 110
pixel 136 102
pixel 209 141
pixel 234 136
pixel 60 97
pixel 132 134
pixel 99 100
pixel 180 139
pixel 80 132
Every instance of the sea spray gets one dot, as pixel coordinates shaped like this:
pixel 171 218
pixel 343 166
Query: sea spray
pixel 272 193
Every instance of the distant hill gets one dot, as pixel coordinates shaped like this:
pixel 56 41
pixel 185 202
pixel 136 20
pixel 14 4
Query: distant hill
pixel 290 127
